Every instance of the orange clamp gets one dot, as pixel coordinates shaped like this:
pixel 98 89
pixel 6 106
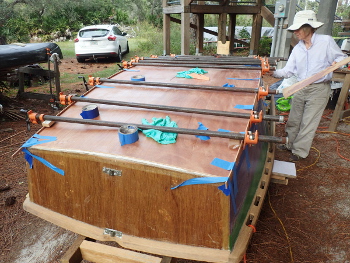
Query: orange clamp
pixel 93 81
pixel 262 92
pixel 250 138
pixel 65 100
pixel 125 64
pixel 265 66
pixel 255 118
pixel 34 117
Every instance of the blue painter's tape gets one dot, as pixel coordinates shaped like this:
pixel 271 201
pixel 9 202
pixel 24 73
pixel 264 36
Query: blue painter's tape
pixel 105 87
pixel 38 139
pixel 29 157
pixel 138 78
pixel 223 164
pixel 228 85
pixel 227 190
pixel 128 134
pixel 244 107
pixel 134 70
pixel 90 112
pixel 202 127
pixel 202 180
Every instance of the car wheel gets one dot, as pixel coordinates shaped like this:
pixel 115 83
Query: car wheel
pixel 119 55
pixel 127 48
pixel 80 60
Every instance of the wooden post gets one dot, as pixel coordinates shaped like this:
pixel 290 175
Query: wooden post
pixel 166 31
pixel 256 33
pixel 185 28
pixel 231 31
pixel 222 27
pixel 200 31
pixel 57 77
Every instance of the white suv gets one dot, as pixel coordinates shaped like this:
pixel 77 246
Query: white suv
pixel 100 41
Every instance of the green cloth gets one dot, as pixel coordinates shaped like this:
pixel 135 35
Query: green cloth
pixel 283 104
pixel 159 136
pixel 184 74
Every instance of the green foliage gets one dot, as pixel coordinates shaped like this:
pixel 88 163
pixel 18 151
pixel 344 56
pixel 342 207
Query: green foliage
pixel 243 33
pixel 265 46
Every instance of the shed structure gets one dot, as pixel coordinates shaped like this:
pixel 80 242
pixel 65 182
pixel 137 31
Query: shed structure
pixel 227 11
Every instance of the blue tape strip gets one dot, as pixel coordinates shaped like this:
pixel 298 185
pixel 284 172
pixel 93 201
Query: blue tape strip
pixel 244 107
pixel 223 164
pixel 228 85
pixel 29 157
pixel 90 113
pixel 133 70
pixel 226 189
pixel 222 130
pixel 244 79
pixel 105 87
pixel 202 127
pixel 202 180
pixel 38 139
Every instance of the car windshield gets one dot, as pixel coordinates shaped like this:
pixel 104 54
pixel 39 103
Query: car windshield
pixel 96 32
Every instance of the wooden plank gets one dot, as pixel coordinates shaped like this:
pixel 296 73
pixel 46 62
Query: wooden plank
pixel 127 241
pixel 268 15
pixel 289 91
pixel 344 34
pixel 100 253
pixel 340 103
pixel 73 254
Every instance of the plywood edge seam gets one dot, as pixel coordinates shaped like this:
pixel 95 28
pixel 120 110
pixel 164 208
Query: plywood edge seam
pixel 127 241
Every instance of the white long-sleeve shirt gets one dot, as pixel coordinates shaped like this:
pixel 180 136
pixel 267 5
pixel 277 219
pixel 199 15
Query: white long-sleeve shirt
pixel 304 63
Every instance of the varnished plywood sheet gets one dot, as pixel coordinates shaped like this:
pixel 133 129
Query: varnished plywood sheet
pixel 189 152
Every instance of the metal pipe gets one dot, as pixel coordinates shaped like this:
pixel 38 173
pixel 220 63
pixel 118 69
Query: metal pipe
pixel 275 29
pixel 175 109
pixel 183 86
pixel 196 65
pixel 200 62
pixel 229 135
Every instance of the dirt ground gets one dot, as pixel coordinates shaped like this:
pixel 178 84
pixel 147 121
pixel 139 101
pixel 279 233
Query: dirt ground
pixel 304 221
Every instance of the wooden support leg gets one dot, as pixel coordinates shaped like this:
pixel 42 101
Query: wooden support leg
pixel 340 103
pixel 73 254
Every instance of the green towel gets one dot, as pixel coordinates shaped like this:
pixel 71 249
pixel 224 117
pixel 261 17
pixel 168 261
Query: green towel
pixel 184 74
pixel 159 136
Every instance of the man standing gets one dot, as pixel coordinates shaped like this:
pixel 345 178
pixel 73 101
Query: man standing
pixel 311 55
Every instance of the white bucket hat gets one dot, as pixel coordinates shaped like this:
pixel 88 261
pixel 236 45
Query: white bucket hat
pixel 305 17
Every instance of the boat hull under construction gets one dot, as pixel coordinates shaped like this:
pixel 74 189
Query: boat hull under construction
pixel 196 198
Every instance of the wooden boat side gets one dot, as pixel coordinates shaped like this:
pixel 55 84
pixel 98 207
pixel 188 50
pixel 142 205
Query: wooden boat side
pixel 140 203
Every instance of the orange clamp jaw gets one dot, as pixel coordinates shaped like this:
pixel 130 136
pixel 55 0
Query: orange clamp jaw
pixel 262 92
pixel 65 100
pixel 250 138
pixel 35 117
pixel 265 66
pixel 93 81
pixel 255 117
